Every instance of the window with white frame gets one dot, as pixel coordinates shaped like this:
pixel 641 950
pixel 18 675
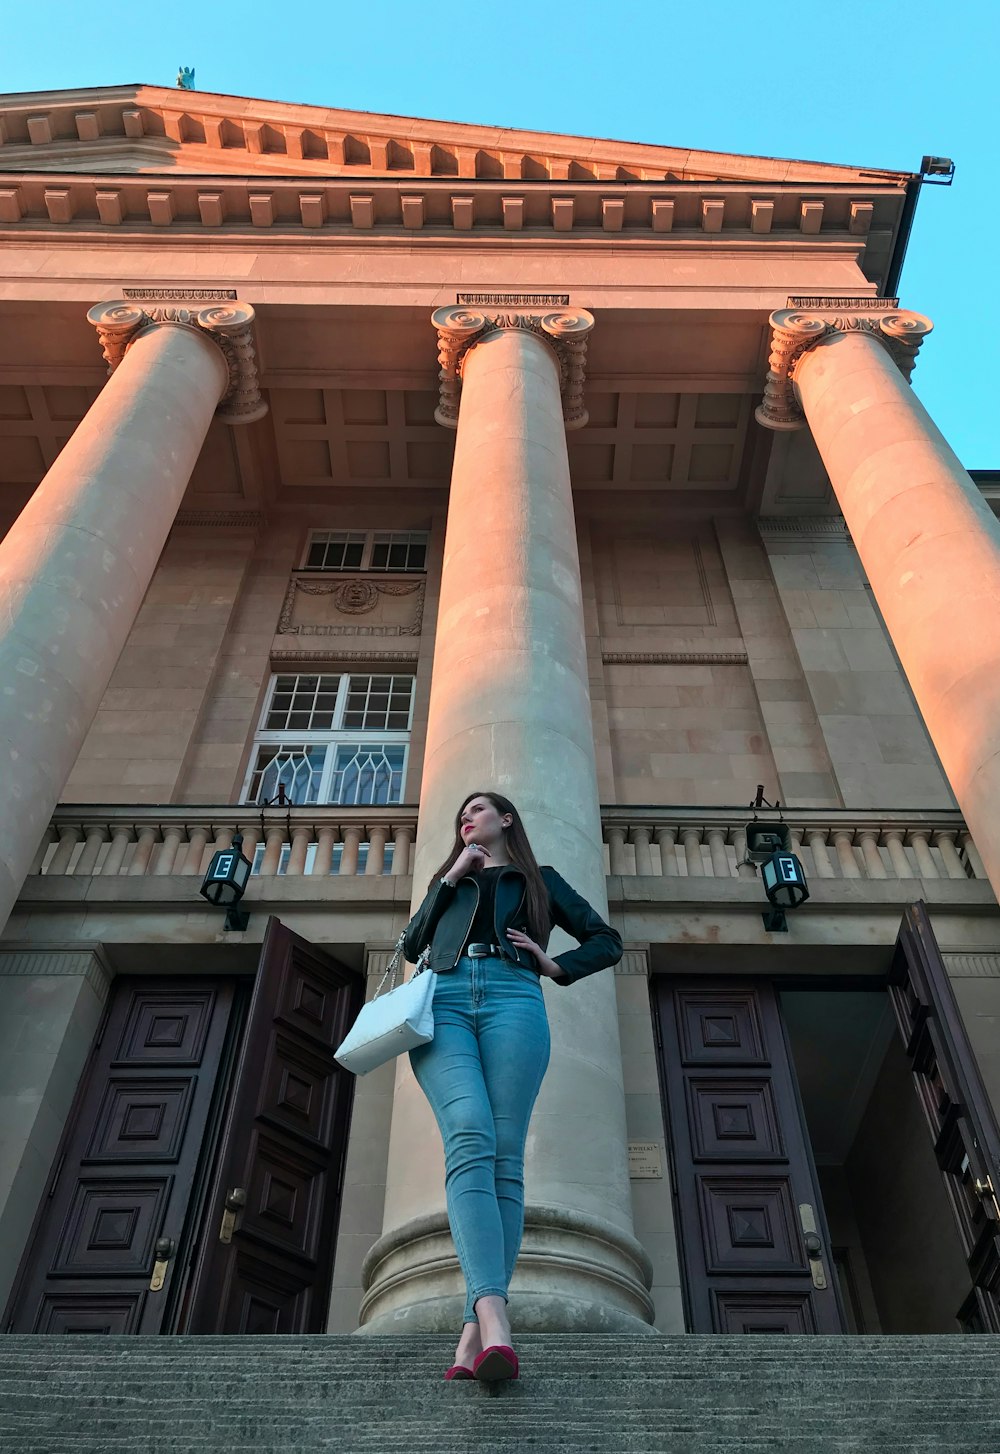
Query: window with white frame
pixel 332 738
pixel 366 550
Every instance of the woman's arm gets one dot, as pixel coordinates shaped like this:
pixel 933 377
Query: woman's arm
pixel 421 927
pixel 600 945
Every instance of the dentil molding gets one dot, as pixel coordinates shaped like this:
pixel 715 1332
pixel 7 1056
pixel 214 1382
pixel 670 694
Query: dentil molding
pixel 229 324
pixel 797 330
pixel 565 329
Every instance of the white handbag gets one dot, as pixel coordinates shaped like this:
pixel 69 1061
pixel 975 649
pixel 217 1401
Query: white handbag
pixel 390 1023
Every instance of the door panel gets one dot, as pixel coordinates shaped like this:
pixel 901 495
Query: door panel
pixel 747 1203
pixel 127 1166
pixel 958 1111
pixel 267 1267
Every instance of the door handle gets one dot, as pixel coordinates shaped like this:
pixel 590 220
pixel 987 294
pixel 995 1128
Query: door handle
pixel 164 1248
pixel 236 1200
pixel 813 1244
pixel 985 1190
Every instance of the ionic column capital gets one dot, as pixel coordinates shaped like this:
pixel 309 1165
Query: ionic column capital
pixel 228 325
pixel 795 332
pixel 566 330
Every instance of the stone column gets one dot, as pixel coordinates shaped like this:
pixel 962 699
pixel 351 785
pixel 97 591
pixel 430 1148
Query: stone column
pixel 510 710
pixel 929 543
pixel 77 562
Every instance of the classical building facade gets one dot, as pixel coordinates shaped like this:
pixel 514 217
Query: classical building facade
pixel 351 463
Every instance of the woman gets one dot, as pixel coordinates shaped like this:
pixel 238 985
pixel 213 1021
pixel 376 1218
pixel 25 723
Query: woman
pixel 487 917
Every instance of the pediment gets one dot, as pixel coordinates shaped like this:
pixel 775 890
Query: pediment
pixel 137 129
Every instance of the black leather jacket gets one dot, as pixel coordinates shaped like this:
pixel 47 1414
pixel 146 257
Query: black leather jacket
pixel 445 917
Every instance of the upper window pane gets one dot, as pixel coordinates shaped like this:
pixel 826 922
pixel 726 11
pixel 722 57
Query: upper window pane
pixel 303 703
pixel 379 703
pixel 399 550
pixel 336 550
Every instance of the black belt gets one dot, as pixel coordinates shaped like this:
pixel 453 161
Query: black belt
pixel 484 951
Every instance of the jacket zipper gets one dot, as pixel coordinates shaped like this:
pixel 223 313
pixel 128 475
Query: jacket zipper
pixel 468 926
pixel 496 928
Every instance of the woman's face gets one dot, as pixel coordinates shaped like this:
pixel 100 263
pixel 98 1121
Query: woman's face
pixel 481 822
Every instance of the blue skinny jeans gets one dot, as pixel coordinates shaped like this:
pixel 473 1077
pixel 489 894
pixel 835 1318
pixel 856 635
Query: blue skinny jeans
pixel 481 1074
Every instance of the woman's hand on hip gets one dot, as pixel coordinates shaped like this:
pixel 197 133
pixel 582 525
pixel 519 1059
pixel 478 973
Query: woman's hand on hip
pixel 544 964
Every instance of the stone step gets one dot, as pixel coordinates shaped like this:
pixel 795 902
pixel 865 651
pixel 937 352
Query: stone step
pixel 742 1395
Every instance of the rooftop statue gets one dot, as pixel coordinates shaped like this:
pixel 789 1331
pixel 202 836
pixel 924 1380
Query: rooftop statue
pixel 185 78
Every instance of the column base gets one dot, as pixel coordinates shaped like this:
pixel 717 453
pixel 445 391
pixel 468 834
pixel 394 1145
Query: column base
pixel 575 1274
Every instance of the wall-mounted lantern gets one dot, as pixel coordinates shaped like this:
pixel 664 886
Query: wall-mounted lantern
pixel 226 881
pixel 769 848
pixel 785 886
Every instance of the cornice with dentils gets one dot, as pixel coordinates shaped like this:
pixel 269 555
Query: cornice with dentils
pixel 201 132
pixel 791 215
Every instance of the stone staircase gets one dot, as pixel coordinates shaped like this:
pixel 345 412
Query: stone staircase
pixel 658 1395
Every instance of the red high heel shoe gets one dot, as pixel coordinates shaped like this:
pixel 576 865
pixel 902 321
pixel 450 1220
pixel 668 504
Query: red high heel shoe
pixel 496 1363
pixel 457 1372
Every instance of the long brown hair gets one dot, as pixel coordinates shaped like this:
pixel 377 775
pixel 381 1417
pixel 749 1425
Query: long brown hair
pixel 519 851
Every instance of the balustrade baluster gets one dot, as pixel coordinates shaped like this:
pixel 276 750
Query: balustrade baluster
pixel 717 852
pixel 944 842
pixel 822 862
pixel 665 840
pixel 922 853
pixel 692 852
pixel 893 839
pixel 744 869
pixel 274 841
pixel 402 838
pixel 375 862
pixel 145 839
pixel 250 833
pixel 301 838
pixel 616 843
pixel 351 834
pixel 167 855
pixel 323 862
pixel 873 859
pixel 643 857
pixel 120 840
pixel 69 837
pixel 843 842
pixel 191 862
pixel 972 854
pixel 97 835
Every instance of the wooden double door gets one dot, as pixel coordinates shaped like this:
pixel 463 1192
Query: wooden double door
pixel 754 1242
pixel 197 1187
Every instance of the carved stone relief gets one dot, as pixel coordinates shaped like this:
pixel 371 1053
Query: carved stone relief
pixel 331 605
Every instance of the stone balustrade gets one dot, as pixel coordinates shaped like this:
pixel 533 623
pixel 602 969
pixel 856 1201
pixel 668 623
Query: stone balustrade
pixel 832 844
pixel 181 840
pixel 657 842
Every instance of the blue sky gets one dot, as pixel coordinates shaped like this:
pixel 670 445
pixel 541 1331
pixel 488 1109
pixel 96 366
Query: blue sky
pixel 875 83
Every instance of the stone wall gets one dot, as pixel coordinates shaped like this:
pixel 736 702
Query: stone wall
pixel 877 743
pixel 140 741
pixel 718 660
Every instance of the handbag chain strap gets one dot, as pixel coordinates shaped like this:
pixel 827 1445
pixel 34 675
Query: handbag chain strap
pixel 392 967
